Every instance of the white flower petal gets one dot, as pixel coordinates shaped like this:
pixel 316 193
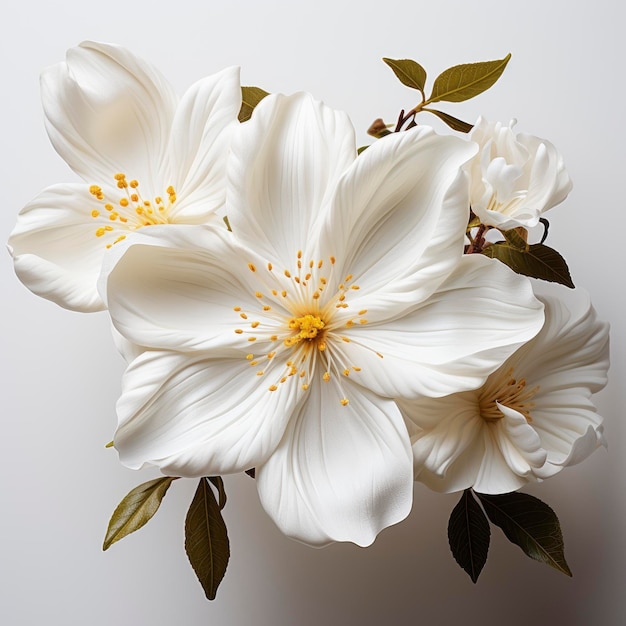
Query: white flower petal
pixel 341 473
pixel 176 287
pixel 199 416
pixel 56 251
pixel 108 111
pixel 199 142
pixel 284 166
pixel 454 340
pixel 401 210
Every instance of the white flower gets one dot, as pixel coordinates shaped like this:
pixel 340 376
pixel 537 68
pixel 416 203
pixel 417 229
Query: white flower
pixel 280 345
pixel 532 417
pixel 514 178
pixel 146 156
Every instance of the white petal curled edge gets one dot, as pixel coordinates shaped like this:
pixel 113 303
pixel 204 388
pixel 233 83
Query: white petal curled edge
pixel 55 249
pixel 107 111
pixel 398 219
pixel 192 415
pixel 178 287
pixel 284 166
pixel 477 318
pixel 199 142
pixel 341 473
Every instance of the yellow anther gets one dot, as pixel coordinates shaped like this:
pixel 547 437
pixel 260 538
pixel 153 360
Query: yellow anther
pixel 236 308
pixel 95 213
pixel 348 278
pixel 134 184
pixel 323 280
pixel 379 354
pixel 274 338
pixel 355 287
pixel 269 266
pixel 356 369
pixel 251 267
pixel 272 388
pixel 255 324
pixel 308 276
pixel 238 331
pixel 258 294
pixel 362 311
pixel 316 295
pixel 253 363
pixel 94 190
pixel 139 210
pixel 170 190
pixel 297 279
pixel 249 356
pixel 305 386
pixel 267 308
pixel 100 232
pixel 120 238
pixel 342 297
pixel 345 402
pixel 134 197
pixel 283 379
pixel 287 273
pixel 119 176
pixel 283 294
pixel 346 372
pixel 158 200
pixel 243 316
pixel 124 202
pixel 122 184
pixel 114 215
pixel 108 206
pixel 321 346
pixel 319 264
pixel 251 338
pixel 299 255
pixel 326 377
pixel 260 373
pixel 299 264
pixel 108 228
pixel 332 260
pixel 123 219
pixel 362 321
pixel 271 355
pixel 302 374
pixel 346 339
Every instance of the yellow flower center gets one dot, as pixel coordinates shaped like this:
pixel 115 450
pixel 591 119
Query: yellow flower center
pixel 297 313
pixel 508 391
pixel 131 211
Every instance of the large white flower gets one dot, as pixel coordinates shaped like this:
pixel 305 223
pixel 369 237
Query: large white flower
pixel 146 158
pixel 514 178
pixel 532 417
pixel 280 345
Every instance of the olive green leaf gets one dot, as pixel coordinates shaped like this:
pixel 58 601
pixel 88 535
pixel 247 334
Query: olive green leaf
pixel 469 535
pixel 536 261
pixel 206 538
pixel 463 82
pixel 361 149
pixel 453 122
pixel 136 509
pixel 529 523
pixel 410 73
pixel 250 97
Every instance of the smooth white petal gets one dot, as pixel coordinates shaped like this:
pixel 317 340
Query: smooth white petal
pixel 284 166
pixel 199 144
pixel 176 287
pixel 400 214
pixel 199 416
pixel 454 340
pixel 108 111
pixel 341 473
pixel 56 252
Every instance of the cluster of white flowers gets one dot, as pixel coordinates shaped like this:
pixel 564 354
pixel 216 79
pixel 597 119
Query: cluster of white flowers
pixel 334 336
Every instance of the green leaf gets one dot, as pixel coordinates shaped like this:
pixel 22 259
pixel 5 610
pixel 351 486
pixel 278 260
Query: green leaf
pixel 537 261
pixel 136 509
pixel 468 535
pixel 516 238
pixel 361 149
pixel 410 73
pixel 463 82
pixel 250 97
pixel 206 539
pixel 453 122
pixel 529 523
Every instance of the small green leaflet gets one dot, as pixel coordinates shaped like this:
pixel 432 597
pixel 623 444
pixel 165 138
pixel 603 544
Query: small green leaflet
pixel 136 509
pixel 453 122
pixel 469 535
pixel 250 97
pixel 529 523
pixel 410 73
pixel 465 81
pixel 206 538
pixel 535 260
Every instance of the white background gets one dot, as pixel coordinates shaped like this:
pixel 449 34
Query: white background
pixel 60 376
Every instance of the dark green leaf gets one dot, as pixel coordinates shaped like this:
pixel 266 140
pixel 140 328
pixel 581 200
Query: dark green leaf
pixel 463 82
pixel 410 73
pixel 136 509
pixel 468 535
pixel 362 149
pixel 250 97
pixel 537 261
pixel 219 485
pixel 529 523
pixel 452 122
pixel 206 539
